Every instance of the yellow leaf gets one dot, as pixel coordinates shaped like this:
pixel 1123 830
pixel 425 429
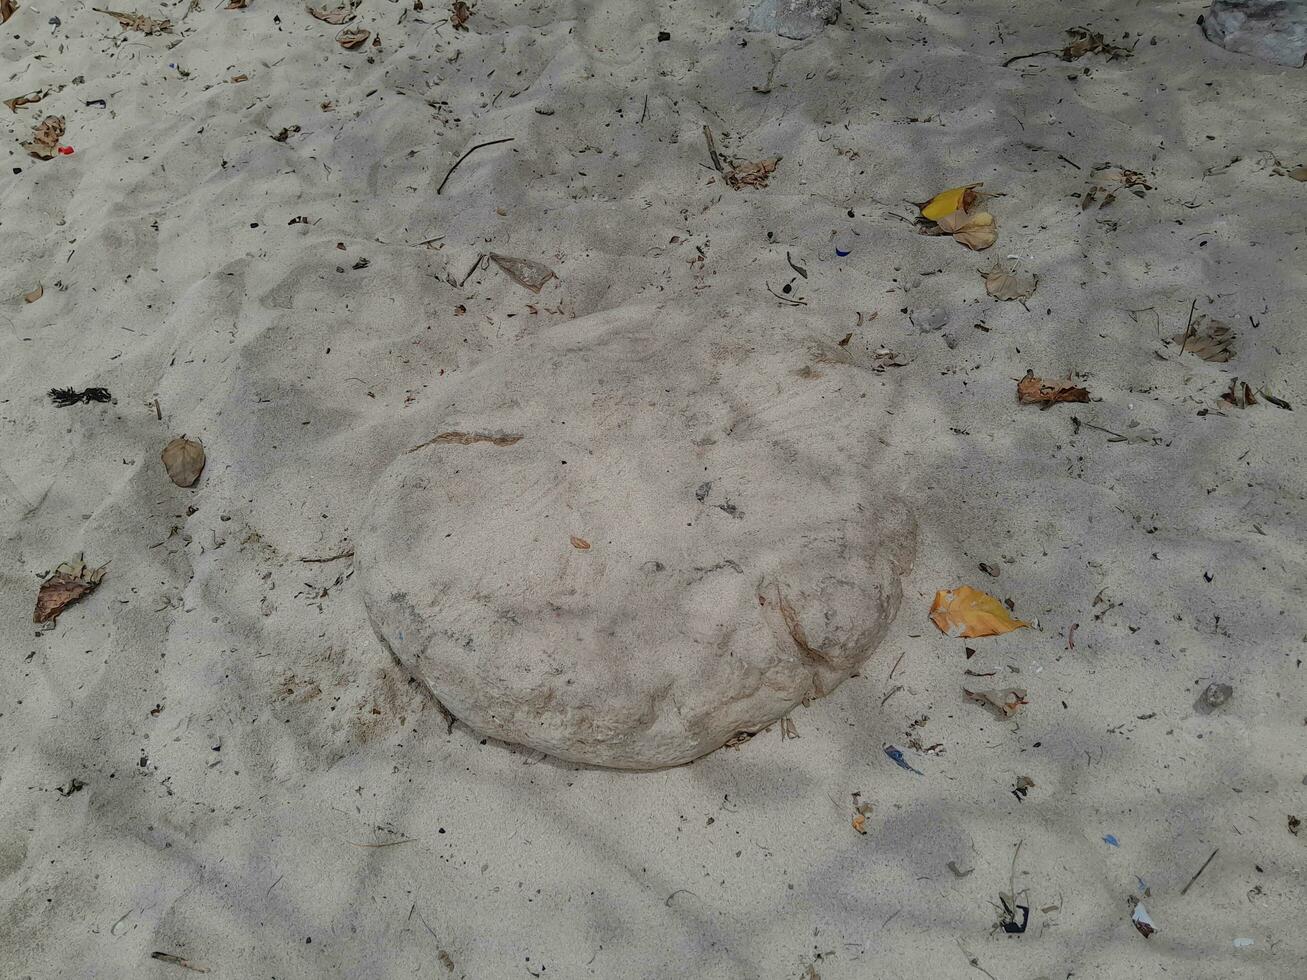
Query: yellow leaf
pixel 964 611
pixel 946 202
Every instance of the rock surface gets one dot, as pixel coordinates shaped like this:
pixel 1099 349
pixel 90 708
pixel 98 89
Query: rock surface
pixel 682 545
pixel 795 19
pixel 1273 30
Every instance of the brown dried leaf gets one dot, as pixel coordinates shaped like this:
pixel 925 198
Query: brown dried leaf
pixel 1084 41
pixel 741 175
pixel 34 295
pixel 352 37
pixel 236 4
pixel 1004 284
pixel 459 12
pixel 31 98
pixel 1240 396
pixel 976 231
pixel 337 16
pixel 524 272
pixel 68 583
pixel 1005 701
pixel 184 460
pixel 44 143
pixel 1299 173
pixel 137 22
pixel 580 544
pixel 1037 391
pixel 1210 339
pixel 7 8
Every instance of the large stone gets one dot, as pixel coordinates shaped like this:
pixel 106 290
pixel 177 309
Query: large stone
pixel 795 19
pixel 683 544
pixel 1274 30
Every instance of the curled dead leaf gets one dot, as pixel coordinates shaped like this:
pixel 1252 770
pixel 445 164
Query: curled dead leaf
pixel 68 583
pixel 1005 701
pixel 1005 284
pixel 34 295
pixel 31 98
pixel 1084 41
pixel 524 272
pixel 236 4
pixel 968 612
pixel 1037 391
pixel 953 199
pixel 459 12
pixel 7 8
pixel 336 16
pixel 741 175
pixel 183 459
pixel 352 37
pixel 137 22
pixel 580 544
pixel 44 143
pixel 1240 396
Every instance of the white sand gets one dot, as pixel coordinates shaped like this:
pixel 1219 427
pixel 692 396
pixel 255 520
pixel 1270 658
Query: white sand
pixel 243 738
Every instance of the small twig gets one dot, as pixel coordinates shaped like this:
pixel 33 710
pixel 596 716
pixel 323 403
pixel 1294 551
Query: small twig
pixel 178 961
pixel 896 665
pixel 786 299
pixel 1199 871
pixel 797 268
pixel 1072 162
pixel 389 843
pixel 893 691
pixel 712 149
pixel 506 139
pixel 158 414
pixel 1023 57
pixel 645 110
pixel 1184 339
pixel 480 256
pixel 323 561
pixel 973 960
pixel 427 242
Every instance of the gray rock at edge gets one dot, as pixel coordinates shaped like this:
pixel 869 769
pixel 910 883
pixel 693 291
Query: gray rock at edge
pixel 686 542
pixel 795 19
pixel 1273 30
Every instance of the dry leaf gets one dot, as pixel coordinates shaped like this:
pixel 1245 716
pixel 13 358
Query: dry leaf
pixel 1037 391
pixel 184 460
pixel 469 438
pixel 741 175
pixel 7 8
pixel 236 4
pixel 524 272
pixel 69 582
pixel 34 295
pixel 580 544
pixel 976 231
pixel 1240 396
pixel 1210 339
pixel 352 37
pixel 1084 41
pixel 1005 701
pixel 965 611
pixel 459 12
pixel 885 358
pixel 137 22
pixel 338 16
pixel 44 143
pixel 860 814
pixel 946 202
pixel 1003 284
pixel 237 79
pixel 32 98
pixel 1298 173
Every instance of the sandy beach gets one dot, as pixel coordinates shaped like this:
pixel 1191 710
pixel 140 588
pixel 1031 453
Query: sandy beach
pixel 211 761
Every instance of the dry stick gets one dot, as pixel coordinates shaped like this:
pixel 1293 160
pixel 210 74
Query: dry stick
pixel 480 256
pixel 786 299
pixel 178 961
pixel 322 561
pixel 1199 871
pixel 389 843
pixel 1184 339
pixel 712 148
pixel 1022 57
pixel 645 110
pixel 506 139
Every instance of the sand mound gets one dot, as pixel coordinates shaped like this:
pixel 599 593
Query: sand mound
pixel 630 542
